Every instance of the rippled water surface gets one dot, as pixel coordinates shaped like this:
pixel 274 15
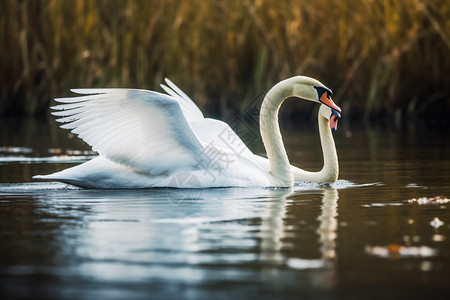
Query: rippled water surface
pixel 380 232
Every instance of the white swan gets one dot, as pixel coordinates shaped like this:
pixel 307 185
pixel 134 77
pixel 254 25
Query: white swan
pixel 148 139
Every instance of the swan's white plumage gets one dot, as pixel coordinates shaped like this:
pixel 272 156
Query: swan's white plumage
pixel 144 130
pixel 146 139
pixel 190 110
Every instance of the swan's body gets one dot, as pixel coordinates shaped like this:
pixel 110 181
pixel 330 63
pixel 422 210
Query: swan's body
pixel 147 139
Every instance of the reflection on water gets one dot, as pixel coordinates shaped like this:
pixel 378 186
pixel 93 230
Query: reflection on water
pixel 366 237
pixel 226 236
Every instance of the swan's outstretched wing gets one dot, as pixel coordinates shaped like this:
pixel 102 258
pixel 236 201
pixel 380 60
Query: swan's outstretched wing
pixel 190 110
pixel 210 132
pixel 144 130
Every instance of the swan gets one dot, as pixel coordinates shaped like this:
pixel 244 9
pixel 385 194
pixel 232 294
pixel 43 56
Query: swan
pixel 149 139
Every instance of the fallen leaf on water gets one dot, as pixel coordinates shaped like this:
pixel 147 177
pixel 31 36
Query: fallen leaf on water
pixel 427 200
pixel 398 251
pixel 13 149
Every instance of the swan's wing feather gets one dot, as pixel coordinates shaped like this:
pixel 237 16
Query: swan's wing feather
pixel 144 130
pixel 220 135
pixel 190 110
pixel 78 98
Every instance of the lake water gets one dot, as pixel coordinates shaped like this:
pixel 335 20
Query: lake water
pixel 380 232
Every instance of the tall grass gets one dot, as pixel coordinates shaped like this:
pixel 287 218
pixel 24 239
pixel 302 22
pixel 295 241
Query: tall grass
pixel 381 57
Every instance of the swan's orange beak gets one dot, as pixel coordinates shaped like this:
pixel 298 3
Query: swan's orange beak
pixel 326 99
pixel 324 95
pixel 335 116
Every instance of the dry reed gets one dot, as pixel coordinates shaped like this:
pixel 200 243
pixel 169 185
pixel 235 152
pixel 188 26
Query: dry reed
pixel 381 57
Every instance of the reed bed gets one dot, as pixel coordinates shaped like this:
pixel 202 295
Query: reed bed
pixel 381 57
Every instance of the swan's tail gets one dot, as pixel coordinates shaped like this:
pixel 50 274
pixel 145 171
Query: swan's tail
pixel 57 177
pixel 40 177
pixel 48 177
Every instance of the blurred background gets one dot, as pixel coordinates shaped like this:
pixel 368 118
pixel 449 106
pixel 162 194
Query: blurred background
pixel 367 237
pixel 385 60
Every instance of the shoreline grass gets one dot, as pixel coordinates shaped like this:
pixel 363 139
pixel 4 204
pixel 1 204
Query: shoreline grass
pixel 381 58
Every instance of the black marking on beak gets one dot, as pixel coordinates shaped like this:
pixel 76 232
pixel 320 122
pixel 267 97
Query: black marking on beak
pixel 334 118
pixel 324 97
pixel 321 90
pixel 336 114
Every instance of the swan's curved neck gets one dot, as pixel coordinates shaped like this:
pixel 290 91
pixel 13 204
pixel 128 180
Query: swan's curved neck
pixel 271 135
pixel 280 168
pixel 330 170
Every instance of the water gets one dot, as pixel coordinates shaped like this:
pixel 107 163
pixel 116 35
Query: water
pixel 363 238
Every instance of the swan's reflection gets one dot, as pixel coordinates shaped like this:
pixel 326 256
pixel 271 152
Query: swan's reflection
pixel 275 230
pixel 272 230
pixel 144 230
pixel 210 210
pixel 328 224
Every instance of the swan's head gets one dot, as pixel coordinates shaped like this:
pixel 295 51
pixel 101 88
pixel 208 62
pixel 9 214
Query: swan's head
pixel 313 90
pixel 331 115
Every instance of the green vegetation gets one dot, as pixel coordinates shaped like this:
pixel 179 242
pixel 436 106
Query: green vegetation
pixel 381 57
